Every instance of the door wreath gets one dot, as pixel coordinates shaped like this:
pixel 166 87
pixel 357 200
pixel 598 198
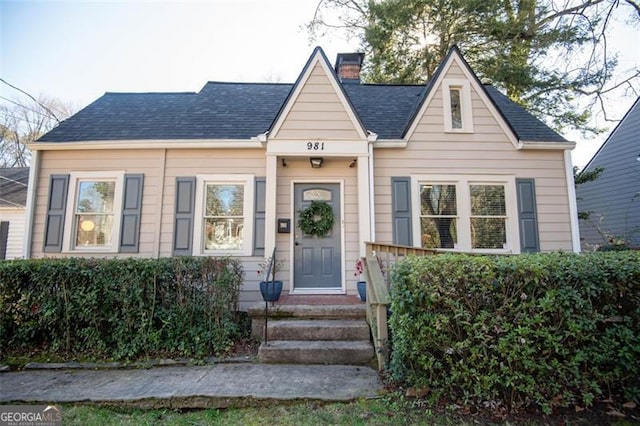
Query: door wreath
pixel 317 219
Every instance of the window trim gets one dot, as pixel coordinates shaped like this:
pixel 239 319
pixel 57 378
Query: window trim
pixel 248 181
pixel 466 109
pixel 463 202
pixel 68 245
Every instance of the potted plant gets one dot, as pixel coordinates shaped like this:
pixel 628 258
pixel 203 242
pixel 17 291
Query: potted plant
pixel 362 285
pixel 270 288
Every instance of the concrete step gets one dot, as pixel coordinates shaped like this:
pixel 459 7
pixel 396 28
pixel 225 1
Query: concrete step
pixel 318 330
pixel 316 352
pixel 310 311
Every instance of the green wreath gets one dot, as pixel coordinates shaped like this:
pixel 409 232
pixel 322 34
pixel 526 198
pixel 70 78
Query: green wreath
pixel 317 219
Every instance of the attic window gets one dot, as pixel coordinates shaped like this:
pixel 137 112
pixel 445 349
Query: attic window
pixel 456 108
pixel 456 105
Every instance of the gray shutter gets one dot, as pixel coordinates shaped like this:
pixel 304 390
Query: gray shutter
pixel 401 210
pixel 185 206
pixel 131 212
pixel 4 239
pixel 56 210
pixel 258 228
pixel 527 215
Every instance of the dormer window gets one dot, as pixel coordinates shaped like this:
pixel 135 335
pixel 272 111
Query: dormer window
pixel 457 106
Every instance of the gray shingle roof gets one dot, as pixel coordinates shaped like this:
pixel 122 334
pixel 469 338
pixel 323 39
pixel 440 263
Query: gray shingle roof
pixel 13 186
pixel 244 110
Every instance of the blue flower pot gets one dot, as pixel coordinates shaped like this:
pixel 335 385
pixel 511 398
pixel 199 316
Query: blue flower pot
pixel 362 290
pixel 270 290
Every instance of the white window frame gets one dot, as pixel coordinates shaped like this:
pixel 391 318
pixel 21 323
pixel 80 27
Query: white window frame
pixel 248 215
pixel 463 202
pixel 75 178
pixel 465 105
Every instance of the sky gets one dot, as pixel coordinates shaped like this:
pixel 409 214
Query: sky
pixel 76 51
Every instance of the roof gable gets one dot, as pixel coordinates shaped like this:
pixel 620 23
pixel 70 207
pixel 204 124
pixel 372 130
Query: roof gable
pixel 450 65
pixel 317 106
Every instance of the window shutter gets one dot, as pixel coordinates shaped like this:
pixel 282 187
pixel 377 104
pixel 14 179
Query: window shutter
pixel 258 228
pixel 527 215
pixel 185 206
pixel 4 239
pixel 401 210
pixel 131 212
pixel 56 209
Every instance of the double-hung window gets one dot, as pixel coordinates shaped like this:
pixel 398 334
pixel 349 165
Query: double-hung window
pixel 95 204
pixel 224 214
pixel 470 213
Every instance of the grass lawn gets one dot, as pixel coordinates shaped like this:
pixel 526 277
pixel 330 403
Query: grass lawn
pixel 390 410
pixel 361 412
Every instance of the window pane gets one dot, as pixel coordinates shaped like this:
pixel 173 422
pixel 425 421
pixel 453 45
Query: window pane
pixel 95 197
pixel 456 111
pixel 223 234
pixel 438 200
pixel 487 200
pixel 93 230
pixel 225 200
pixel 439 232
pixel 316 194
pixel 93 222
pixel 488 233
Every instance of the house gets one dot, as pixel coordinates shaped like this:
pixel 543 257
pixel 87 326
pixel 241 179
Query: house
pixel 13 201
pixel 613 199
pixel 451 164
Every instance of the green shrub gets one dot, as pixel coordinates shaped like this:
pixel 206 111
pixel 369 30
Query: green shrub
pixel 120 308
pixel 545 329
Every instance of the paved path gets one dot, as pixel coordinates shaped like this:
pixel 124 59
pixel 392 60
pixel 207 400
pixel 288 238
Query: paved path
pixel 217 385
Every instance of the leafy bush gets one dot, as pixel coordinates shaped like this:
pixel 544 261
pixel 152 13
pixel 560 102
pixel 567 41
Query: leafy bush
pixel 548 329
pixel 120 308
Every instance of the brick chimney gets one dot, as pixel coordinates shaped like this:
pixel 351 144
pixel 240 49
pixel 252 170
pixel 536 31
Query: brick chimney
pixel 348 66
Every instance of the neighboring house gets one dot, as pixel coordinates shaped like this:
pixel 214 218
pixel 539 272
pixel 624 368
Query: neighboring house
pixel 613 199
pixel 13 201
pixel 225 171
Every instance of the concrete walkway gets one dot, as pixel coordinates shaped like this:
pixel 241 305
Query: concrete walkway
pixel 216 385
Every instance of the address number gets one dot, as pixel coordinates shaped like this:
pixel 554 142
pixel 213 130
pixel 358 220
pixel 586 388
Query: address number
pixel 315 146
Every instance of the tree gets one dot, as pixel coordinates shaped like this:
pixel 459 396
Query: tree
pixel 584 176
pixel 22 121
pixel 552 57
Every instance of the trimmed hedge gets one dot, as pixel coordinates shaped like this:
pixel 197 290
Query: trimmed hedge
pixel 543 329
pixel 120 308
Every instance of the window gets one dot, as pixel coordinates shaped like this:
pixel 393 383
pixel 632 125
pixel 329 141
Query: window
pixel 456 105
pixel 224 211
pixel 470 213
pixel 488 217
pixel 456 108
pixel 95 207
pixel 438 216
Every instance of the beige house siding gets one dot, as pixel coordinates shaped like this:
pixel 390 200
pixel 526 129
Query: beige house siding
pixel 486 151
pixel 317 112
pixel 15 239
pixel 130 161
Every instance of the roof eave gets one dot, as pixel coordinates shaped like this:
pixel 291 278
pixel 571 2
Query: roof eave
pixel 146 144
pixel 560 145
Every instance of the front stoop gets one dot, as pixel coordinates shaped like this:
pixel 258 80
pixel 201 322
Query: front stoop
pixel 313 334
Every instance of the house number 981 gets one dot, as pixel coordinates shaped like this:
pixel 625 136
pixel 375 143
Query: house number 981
pixel 315 146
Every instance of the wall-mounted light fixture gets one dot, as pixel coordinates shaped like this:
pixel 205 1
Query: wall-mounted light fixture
pixel 284 163
pixel 353 163
pixel 316 162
